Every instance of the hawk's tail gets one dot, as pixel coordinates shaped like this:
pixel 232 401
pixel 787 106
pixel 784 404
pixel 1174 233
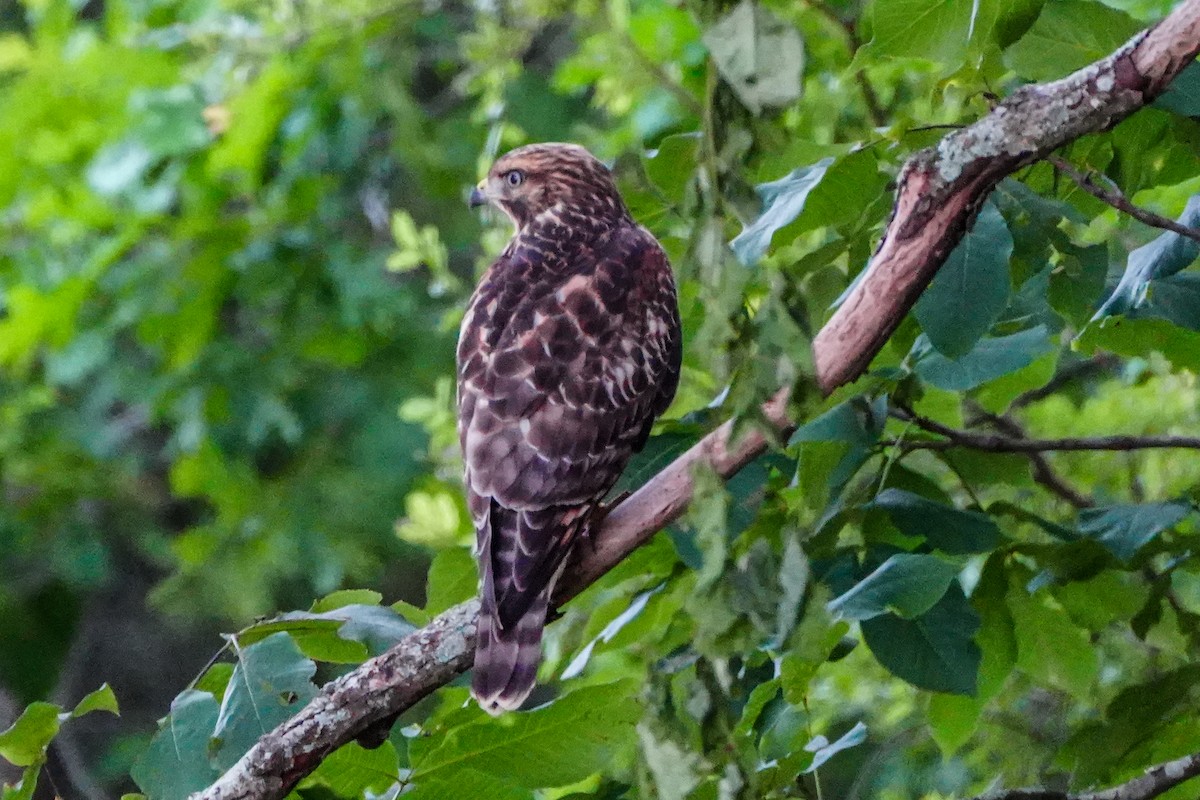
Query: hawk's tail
pixel 506 659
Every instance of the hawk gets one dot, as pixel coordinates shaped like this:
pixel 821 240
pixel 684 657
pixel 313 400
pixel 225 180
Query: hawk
pixel 569 350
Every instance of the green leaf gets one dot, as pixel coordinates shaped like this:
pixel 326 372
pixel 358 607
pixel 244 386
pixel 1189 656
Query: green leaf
pixel 176 763
pixel 352 771
pixel 257 113
pixel 855 423
pixel 1139 337
pixel 672 165
pixel 954 718
pixel 1110 598
pixel 1125 529
pixel 452 579
pixel 906 585
pixel 1076 283
pixel 1130 722
pixel 468 783
pixel 24 743
pixel 24 788
pixel 935 651
pixel 846 193
pixel 1175 299
pixel 971 289
pixel 557 744
pixel 794 574
pixel 1050 646
pixel 815 639
pixel 1183 95
pixel 759 55
pixel 102 699
pixel 1164 256
pixel 946 528
pixel 345 634
pixel 169 121
pixel 782 200
pixel 944 31
pixel 989 359
pixel 1068 35
pixel 346 597
pixel 271 682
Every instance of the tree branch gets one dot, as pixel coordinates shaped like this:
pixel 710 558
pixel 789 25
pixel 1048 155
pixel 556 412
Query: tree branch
pixel 940 191
pixel 1152 783
pixel 942 188
pixel 1119 201
pixel 1001 443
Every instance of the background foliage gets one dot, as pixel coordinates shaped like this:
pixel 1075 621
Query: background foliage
pixel 235 254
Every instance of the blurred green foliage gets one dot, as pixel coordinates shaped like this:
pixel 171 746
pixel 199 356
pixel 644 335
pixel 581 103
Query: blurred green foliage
pixel 235 256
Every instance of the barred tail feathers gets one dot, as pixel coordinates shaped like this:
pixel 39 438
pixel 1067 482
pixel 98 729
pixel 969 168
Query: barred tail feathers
pixel 522 553
pixel 507 659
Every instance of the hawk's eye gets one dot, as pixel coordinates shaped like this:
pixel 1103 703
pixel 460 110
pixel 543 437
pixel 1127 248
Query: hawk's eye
pixel 514 178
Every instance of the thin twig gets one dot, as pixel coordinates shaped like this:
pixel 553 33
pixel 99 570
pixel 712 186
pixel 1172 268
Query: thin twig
pixel 1102 362
pixel 1119 201
pixel 1043 473
pixel 999 443
pixel 879 114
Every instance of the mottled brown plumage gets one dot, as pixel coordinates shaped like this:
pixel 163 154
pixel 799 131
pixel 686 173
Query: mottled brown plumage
pixel 569 350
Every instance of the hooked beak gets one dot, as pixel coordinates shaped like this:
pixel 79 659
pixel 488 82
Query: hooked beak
pixel 477 197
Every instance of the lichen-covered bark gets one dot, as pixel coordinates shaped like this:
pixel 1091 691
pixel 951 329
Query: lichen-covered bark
pixel 942 188
pixel 379 689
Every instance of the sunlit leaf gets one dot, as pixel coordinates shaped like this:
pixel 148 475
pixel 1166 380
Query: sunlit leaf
pixel 24 742
pixel 560 743
pixel 1166 255
pixel 102 699
pixel 907 585
pixel 1069 34
pixel 823 750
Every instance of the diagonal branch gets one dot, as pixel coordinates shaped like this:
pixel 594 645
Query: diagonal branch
pixel 940 192
pixel 1153 782
pixel 942 188
pixel 1119 201
pixel 431 657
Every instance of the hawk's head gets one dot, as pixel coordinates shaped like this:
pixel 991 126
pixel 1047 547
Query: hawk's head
pixel 554 179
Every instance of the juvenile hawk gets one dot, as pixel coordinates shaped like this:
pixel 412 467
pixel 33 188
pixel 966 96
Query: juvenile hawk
pixel 569 350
